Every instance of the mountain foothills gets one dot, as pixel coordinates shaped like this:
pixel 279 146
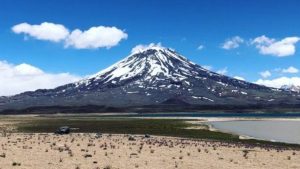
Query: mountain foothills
pixel 152 79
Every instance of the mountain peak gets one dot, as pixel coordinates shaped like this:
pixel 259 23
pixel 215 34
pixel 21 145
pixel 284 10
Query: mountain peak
pixel 150 47
pixel 146 63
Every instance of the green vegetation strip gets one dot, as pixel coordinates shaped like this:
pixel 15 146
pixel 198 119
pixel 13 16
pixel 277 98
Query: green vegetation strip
pixel 162 127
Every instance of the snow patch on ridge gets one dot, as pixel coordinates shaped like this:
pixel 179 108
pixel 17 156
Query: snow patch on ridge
pixel 160 62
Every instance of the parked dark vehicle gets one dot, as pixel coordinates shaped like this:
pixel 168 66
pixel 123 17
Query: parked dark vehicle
pixel 98 135
pixel 63 130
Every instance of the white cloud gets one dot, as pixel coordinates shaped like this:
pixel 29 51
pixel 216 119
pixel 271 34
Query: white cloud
pixel 239 78
pixel 200 47
pixel 44 31
pixel 279 82
pixel 281 48
pixel 290 69
pixel 222 71
pixel 24 77
pixel 95 37
pixel 141 47
pixel 208 67
pixel 265 74
pixel 232 43
pixel 26 69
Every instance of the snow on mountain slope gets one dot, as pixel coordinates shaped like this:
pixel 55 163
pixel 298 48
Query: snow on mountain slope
pixel 156 61
pixel 153 76
pixel 152 66
pixel 292 88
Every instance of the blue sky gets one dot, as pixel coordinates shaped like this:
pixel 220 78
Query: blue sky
pixel 179 24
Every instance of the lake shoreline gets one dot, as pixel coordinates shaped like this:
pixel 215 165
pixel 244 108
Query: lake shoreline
pixel 209 120
pixel 177 127
pixel 254 131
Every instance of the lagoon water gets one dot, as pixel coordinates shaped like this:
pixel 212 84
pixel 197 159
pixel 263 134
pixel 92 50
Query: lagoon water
pixel 287 131
pixel 277 126
pixel 221 114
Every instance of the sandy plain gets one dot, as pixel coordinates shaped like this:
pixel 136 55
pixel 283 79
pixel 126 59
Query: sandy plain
pixel 92 151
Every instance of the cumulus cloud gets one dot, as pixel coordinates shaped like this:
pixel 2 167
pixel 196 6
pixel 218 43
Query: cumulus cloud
pixel 279 48
pixel 141 47
pixel 24 77
pixel 265 74
pixel 94 37
pixel 290 69
pixel 232 43
pixel 239 78
pixel 200 47
pixel 44 31
pixel 222 71
pixel 279 82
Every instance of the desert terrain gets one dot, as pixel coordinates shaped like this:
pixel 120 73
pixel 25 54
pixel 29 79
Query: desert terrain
pixel 90 150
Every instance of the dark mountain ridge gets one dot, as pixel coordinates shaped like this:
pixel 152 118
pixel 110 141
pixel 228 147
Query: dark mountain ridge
pixel 156 78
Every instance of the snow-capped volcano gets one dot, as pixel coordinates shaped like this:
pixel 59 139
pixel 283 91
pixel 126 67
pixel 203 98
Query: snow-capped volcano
pixel 153 77
pixel 151 66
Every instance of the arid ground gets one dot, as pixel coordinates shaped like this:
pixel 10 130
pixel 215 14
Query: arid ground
pixel 23 145
pixel 74 151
